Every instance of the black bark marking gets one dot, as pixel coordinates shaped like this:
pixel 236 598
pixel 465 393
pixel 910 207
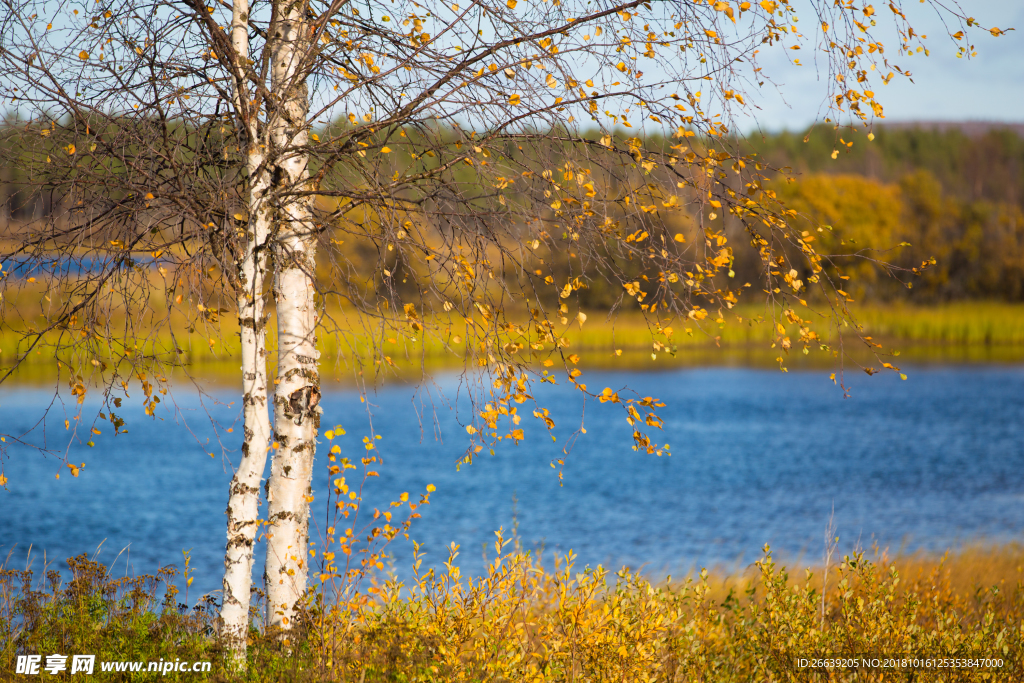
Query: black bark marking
pixel 302 403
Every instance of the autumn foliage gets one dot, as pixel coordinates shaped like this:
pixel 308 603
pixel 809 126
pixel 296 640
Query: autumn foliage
pixel 526 619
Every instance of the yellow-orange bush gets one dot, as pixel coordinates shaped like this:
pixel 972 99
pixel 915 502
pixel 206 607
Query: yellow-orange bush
pixel 523 621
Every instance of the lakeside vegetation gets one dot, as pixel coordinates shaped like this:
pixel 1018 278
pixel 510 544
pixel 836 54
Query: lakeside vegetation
pixel 951 195
pixel 965 330
pixel 527 620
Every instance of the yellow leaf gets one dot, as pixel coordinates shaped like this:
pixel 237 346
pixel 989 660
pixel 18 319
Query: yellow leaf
pixel 431 488
pixel 3 480
pixel 83 55
pixel 316 138
pixel 621 66
pixel 514 99
pixel 470 429
pixel 70 149
pixel 768 6
pixel 511 4
pixel 385 150
pixel 239 217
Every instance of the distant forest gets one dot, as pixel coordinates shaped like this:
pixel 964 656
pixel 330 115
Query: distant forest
pixel 955 192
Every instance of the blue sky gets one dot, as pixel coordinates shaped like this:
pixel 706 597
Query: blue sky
pixel 989 87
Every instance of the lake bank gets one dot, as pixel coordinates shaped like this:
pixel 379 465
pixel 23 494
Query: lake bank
pixel 358 349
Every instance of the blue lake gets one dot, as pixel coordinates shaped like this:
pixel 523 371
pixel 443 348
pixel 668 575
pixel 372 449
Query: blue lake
pixel 758 457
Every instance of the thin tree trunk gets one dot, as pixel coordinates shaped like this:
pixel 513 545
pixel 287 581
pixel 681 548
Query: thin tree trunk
pixel 297 395
pixel 243 502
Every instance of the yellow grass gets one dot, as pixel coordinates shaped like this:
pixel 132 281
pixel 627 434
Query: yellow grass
pixel 553 621
pixel 354 343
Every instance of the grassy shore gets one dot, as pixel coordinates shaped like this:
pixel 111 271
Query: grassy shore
pixel 354 345
pixel 526 621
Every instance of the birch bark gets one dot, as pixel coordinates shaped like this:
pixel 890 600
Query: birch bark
pixel 243 501
pixel 297 394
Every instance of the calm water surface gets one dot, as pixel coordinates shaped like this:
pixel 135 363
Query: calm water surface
pixel 758 457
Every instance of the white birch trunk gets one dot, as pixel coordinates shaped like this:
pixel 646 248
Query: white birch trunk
pixel 243 501
pixel 297 394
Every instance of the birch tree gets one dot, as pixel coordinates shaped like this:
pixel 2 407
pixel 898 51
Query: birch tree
pixel 243 502
pixel 296 413
pixel 466 172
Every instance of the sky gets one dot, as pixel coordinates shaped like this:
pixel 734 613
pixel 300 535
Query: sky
pixel 989 87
